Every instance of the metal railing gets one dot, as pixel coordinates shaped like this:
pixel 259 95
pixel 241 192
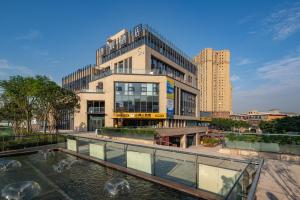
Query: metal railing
pixel 170 163
pixel 272 143
pixel 252 191
pixel 174 164
pixel 142 71
pixel 96 110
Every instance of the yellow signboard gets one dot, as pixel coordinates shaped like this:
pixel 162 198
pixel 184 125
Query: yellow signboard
pixel 140 115
pixel 206 119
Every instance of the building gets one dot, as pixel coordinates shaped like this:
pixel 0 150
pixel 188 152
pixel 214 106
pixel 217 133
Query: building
pixel 139 79
pixel 214 82
pixel 254 117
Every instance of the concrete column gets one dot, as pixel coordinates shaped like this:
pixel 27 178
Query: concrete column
pixel 183 141
pixel 197 139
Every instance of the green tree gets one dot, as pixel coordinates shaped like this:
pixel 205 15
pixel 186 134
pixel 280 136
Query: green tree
pixel 25 98
pixel 63 102
pixel 228 124
pixel 283 125
pixel 20 92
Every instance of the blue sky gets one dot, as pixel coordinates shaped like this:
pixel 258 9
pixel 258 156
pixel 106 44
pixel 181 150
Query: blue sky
pixel 56 37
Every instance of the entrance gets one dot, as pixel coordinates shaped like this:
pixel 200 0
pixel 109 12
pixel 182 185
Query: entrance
pixel 190 140
pixel 95 122
pixel 141 123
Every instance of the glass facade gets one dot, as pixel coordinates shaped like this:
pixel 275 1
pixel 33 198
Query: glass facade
pixel 187 103
pixel 160 67
pixel 136 97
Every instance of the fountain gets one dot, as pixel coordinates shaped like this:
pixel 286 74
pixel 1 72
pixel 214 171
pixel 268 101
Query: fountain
pixel 46 153
pixel 64 164
pixel 24 190
pixel 8 165
pixel 116 186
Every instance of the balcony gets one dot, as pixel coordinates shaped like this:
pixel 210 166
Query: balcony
pixel 96 110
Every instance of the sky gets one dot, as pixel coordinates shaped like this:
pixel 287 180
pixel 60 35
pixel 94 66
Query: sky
pixel 56 37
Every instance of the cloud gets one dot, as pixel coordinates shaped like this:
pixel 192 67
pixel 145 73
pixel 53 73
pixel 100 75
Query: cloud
pixel 30 35
pixel 7 69
pixel 244 61
pixel 234 77
pixel 279 87
pixel 284 22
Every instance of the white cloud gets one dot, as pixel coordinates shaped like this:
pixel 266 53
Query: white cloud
pixel 7 69
pixel 234 77
pixel 285 71
pixel 30 35
pixel 244 61
pixel 284 22
pixel 279 87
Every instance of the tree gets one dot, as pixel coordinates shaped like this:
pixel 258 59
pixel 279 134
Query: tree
pixel 25 98
pixel 283 125
pixel 20 92
pixel 228 124
pixel 63 102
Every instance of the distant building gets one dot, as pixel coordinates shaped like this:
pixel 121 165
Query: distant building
pixel 214 82
pixel 254 117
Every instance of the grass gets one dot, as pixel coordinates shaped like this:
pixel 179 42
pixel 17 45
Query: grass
pixel 279 139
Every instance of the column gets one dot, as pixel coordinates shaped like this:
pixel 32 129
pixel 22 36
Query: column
pixel 197 139
pixel 183 141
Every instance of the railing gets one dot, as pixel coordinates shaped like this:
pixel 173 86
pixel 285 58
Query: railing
pixel 8 143
pixel 187 168
pixel 273 143
pixel 91 91
pixel 96 110
pixel 252 191
pixel 142 71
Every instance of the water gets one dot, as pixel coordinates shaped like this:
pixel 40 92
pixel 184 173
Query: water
pixel 45 154
pixel 21 190
pixel 65 164
pixel 116 187
pixel 9 165
pixel 82 179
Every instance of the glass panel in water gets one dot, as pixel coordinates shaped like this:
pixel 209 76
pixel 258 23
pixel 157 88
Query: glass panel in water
pixel 177 167
pixel 115 153
pixel 83 146
pixel 218 175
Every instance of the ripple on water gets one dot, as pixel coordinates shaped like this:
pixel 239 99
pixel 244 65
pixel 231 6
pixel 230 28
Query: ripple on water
pixel 8 165
pixel 24 190
pixel 116 186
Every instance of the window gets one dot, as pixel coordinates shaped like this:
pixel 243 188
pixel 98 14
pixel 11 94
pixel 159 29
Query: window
pixel 160 67
pixel 136 97
pixel 187 103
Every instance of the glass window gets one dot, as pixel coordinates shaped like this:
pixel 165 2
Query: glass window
pixel 187 103
pixel 136 97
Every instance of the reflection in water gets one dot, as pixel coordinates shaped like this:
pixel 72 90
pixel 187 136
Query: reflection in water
pixel 21 190
pixel 46 153
pixel 64 164
pixel 8 165
pixel 116 186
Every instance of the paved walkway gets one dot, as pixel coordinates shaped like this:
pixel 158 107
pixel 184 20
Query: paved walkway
pixel 279 180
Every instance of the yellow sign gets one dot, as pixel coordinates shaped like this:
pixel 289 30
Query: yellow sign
pixel 206 119
pixel 140 115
